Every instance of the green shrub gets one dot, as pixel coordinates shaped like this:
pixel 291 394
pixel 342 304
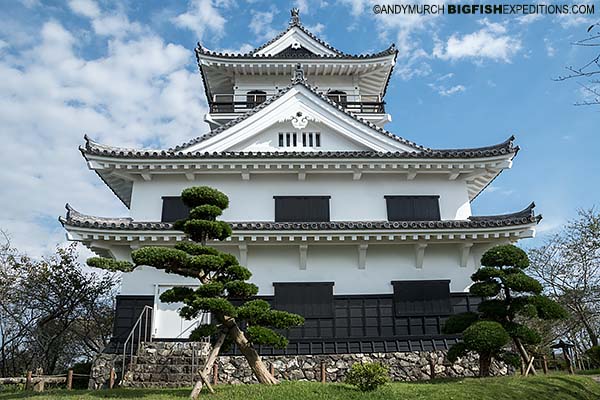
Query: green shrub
pixel 485 337
pixel 201 195
pixel 594 354
pixel 367 376
pixel 505 256
pixel 457 323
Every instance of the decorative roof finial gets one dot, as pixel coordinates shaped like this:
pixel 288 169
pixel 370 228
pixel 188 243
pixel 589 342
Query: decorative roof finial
pixel 298 75
pixel 295 20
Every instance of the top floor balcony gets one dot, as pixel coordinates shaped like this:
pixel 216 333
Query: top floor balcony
pixel 240 103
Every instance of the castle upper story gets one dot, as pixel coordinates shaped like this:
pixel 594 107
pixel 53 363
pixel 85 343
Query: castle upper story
pixel 236 83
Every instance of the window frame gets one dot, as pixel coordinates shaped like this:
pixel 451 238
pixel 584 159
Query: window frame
pixel 392 212
pixel 278 211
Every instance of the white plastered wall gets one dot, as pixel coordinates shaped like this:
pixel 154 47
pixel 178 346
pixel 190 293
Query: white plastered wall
pixel 351 200
pixel 333 263
pixel 269 139
pixel 273 83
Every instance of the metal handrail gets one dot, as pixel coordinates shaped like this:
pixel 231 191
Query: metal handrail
pixel 146 312
pixel 204 319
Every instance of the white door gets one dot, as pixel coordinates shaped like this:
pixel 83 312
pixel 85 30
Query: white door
pixel 167 322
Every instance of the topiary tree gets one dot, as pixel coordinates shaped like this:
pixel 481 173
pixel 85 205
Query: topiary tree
pixel 510 297
pixel 223 291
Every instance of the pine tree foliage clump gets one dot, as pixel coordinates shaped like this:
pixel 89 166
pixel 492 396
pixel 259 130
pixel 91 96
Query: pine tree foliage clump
pixel 224 290
pixel 511 297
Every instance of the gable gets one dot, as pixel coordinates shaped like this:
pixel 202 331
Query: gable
pixel 296 108
pixel 314 137
pixel 296 38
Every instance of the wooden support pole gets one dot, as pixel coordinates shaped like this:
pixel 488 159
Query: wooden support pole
pixel 529 366
pixel 323 372
pixel 28 381
pixel 70 379
pixel 570 364
pixel 272 369
pixel 39 384
pixel 215 374
pixel 545 364
pixel 522 368
pixel 111 379
pixel 206 382
pixel 432 368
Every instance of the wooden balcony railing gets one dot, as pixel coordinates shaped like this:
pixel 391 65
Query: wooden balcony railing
pixel 229 103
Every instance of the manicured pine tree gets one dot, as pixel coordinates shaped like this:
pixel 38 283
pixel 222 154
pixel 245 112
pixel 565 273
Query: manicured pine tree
pixel 511 297
pixel 223 291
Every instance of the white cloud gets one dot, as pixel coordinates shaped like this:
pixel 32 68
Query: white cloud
pixel 87 8
pixel 30 3
pixel 316 28
pixel 550 50
pixel 115 25
pixel 490 42
pixel 444 77
pixel 244 48
pixel 499 190
pixel 302 5
pixel 261 24
pixel 447 91
pixel 404 30
pixel 139 90
pixel 452 90
pixel 202 17
pixel 356 6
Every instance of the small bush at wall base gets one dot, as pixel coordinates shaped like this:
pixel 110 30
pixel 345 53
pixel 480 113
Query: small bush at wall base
pixel 368 376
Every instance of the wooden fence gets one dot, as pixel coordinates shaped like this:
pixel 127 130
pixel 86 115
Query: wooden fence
pixel 38 381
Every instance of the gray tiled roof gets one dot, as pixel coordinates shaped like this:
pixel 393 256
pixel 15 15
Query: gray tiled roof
pixel 283 55
pixel 523 217
pixel 295 23
pixel 421 152
pixel 506 147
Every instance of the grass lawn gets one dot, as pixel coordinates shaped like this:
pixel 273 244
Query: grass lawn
pixel 589 372
pixel 560 387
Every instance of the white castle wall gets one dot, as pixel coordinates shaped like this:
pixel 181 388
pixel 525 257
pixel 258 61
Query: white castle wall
pixel 252 200
pixel 272 83
pixel 332 263
pixel 269 140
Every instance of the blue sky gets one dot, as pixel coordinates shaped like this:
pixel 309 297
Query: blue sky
pixel 124 73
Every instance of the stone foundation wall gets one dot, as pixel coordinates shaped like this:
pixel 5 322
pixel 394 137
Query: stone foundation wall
pixel 411 366
pixel 162 364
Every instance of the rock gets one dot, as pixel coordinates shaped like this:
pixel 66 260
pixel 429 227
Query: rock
pixel 160 364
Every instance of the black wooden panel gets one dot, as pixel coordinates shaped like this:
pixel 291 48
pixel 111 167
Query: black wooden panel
pixel 413 208
pixel 309 299
pixel 301 208
pixel 173 209
pixel 354 322
pixel 429 297
pixel 127 311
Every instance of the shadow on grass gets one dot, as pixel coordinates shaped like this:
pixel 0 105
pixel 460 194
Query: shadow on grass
pixel 439 381
pixel 101 394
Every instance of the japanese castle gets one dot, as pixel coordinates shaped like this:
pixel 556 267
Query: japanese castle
pixel 366 234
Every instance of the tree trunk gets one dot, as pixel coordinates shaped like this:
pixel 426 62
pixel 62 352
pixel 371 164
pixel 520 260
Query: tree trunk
pixel 524 355
pixel 485 361
pixel 258 367
pixel 212 356
pixel 590 331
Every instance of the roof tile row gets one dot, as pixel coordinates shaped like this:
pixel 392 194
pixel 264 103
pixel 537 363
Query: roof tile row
pixel 523 217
